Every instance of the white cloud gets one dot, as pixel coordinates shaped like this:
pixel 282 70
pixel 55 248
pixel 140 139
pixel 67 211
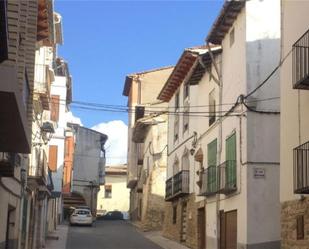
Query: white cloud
pixel 116 145
pixel 70 118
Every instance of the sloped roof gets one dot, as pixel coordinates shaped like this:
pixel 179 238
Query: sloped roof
pixel 224 21
pixel 188 59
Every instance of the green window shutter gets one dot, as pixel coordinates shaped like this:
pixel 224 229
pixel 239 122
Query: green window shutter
pixel 212 153
pixel 212 166
pixel 231 161
pixel 231 148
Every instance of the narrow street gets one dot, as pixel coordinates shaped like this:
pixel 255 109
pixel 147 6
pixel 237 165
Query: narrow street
pixel 108 235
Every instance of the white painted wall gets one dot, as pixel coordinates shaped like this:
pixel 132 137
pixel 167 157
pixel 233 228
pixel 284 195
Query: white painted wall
pixel 245 65
pixel 120 194
pixel 58 87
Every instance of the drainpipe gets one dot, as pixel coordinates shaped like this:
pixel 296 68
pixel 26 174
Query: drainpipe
pixel 219 152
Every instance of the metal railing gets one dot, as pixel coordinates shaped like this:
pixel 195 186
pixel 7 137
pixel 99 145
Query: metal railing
pixel 301 169
pixel 169 188
pixel 8 162
pixel 181 182
pixel 227 172
pixel 38 167
pixel 177 185
pixel 209 181
pixel 300 55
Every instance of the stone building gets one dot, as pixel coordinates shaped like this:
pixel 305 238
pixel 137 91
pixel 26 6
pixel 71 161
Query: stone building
pixel 145 171
pixel 294 164
pixel 114 194
pixel 223 137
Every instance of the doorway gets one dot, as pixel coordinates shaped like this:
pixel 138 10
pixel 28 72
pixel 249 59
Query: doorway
pixel 201 223
pixel 228 230
pixel 10 225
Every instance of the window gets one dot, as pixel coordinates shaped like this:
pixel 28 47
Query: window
pixel 300 227
pixel 174 214
pixel 232 37
pixel 108 191
pixel 176 166
pixel 176 118
pixel 53 157
pixel 54 113
pixel 212 166
pixel 186 91
pixel 185 162
pixel 177 102
pixel 186 108
pixel 230 165
pixel 3 31
pixel 212 107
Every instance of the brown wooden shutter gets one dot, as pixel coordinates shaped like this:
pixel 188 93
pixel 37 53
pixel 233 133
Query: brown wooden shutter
pixel 54 114
pixel 53 155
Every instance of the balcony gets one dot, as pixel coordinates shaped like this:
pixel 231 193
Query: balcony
pixel 227 177
pixel 177 186
pixel 14 126
pixel 301 169
pixel 42 81
pixel 8 162
pixel 300 58
pixel 37 174
pixel 209 181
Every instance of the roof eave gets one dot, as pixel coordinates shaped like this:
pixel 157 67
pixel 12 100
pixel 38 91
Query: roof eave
pixel 225 19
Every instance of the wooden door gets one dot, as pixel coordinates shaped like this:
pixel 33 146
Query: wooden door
pixel 228 230
pixel 231 230
pixel 201 228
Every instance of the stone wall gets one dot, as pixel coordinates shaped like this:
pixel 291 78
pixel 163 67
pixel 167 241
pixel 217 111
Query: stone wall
pixel 173 231
pixel 289 212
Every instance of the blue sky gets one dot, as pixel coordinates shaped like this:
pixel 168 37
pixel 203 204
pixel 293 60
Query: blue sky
pixel 106 40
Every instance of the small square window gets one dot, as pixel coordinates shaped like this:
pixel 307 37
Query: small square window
pixel 108 191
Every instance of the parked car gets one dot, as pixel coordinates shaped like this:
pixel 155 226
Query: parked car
pixel 81 217
pixel 112 215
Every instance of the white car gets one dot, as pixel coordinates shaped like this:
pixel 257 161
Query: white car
pixel 81 217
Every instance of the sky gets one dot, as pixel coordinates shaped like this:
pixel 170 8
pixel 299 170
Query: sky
pixel 106 40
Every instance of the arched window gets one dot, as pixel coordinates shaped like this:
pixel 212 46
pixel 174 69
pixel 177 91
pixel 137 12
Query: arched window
pixel 176 166
pixel 185 162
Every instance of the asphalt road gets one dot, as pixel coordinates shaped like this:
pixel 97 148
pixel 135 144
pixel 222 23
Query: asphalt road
pixel 108 235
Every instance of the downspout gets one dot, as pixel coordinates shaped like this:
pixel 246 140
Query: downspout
pixel 219 152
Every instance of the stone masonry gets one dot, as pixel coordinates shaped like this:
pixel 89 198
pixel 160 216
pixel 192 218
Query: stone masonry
pixel 289 212
pixel 173 231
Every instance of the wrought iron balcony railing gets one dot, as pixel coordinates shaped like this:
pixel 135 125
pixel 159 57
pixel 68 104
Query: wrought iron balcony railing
pixel 301 169
pixel 300 59
pixel 8 162
pixel 227 172
pixel 39 169
pixel 209 181
pixel 178 185
pixel 169 188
